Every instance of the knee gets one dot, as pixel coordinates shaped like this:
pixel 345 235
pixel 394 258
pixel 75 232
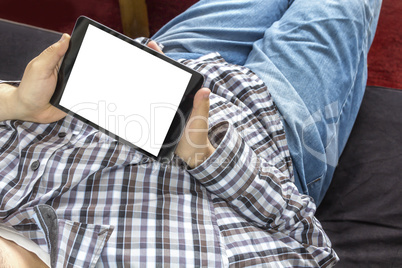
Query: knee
pixel 367 9
pixel 365 13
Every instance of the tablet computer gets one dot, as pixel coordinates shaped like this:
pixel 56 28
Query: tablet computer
pixel 127 90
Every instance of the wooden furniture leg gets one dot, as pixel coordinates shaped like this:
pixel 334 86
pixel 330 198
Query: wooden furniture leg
pixel 134 18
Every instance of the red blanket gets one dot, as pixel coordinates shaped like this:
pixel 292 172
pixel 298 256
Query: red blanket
pixel 385 56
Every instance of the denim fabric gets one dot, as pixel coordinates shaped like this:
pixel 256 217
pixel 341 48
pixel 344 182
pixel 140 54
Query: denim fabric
pixel 311 54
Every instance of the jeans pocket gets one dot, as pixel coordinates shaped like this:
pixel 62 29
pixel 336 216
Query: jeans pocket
pixel 314 188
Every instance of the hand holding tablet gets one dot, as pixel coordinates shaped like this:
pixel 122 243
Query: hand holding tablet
pixel 133 93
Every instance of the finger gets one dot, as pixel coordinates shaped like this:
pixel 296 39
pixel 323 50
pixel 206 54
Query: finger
pixel 153 45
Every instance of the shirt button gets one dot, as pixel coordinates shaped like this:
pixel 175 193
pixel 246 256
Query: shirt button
pixel 35 165
pixel 62 134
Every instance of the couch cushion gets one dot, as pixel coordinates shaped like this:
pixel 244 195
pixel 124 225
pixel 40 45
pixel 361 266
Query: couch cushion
pixel 362 211
pixel 19 44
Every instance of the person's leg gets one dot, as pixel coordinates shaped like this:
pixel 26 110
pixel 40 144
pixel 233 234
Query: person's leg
pixel 229 27
pixel 313 61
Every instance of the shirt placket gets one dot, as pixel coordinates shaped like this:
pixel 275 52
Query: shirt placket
pixel 37 157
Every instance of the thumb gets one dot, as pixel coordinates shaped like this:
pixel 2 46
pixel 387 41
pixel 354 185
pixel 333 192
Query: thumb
pixel 198 122
pixel 194 146
pixel 201 103
pixel 52 56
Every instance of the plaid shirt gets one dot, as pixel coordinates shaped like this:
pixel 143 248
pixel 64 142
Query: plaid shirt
pixel 91 201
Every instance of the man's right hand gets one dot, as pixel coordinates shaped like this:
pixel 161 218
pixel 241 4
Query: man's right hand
pixel 30 101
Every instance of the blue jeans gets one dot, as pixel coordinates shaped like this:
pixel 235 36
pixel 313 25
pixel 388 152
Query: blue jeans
pixel 312 54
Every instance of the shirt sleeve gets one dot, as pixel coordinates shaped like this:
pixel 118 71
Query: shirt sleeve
pixel 261 191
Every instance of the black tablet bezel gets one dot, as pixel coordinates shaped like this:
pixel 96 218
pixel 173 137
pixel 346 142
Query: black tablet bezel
pixel 182 114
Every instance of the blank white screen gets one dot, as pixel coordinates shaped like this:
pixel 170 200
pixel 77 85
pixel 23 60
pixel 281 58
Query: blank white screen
pixel 124 89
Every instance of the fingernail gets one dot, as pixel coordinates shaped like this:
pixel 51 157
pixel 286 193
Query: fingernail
pixel 206 95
